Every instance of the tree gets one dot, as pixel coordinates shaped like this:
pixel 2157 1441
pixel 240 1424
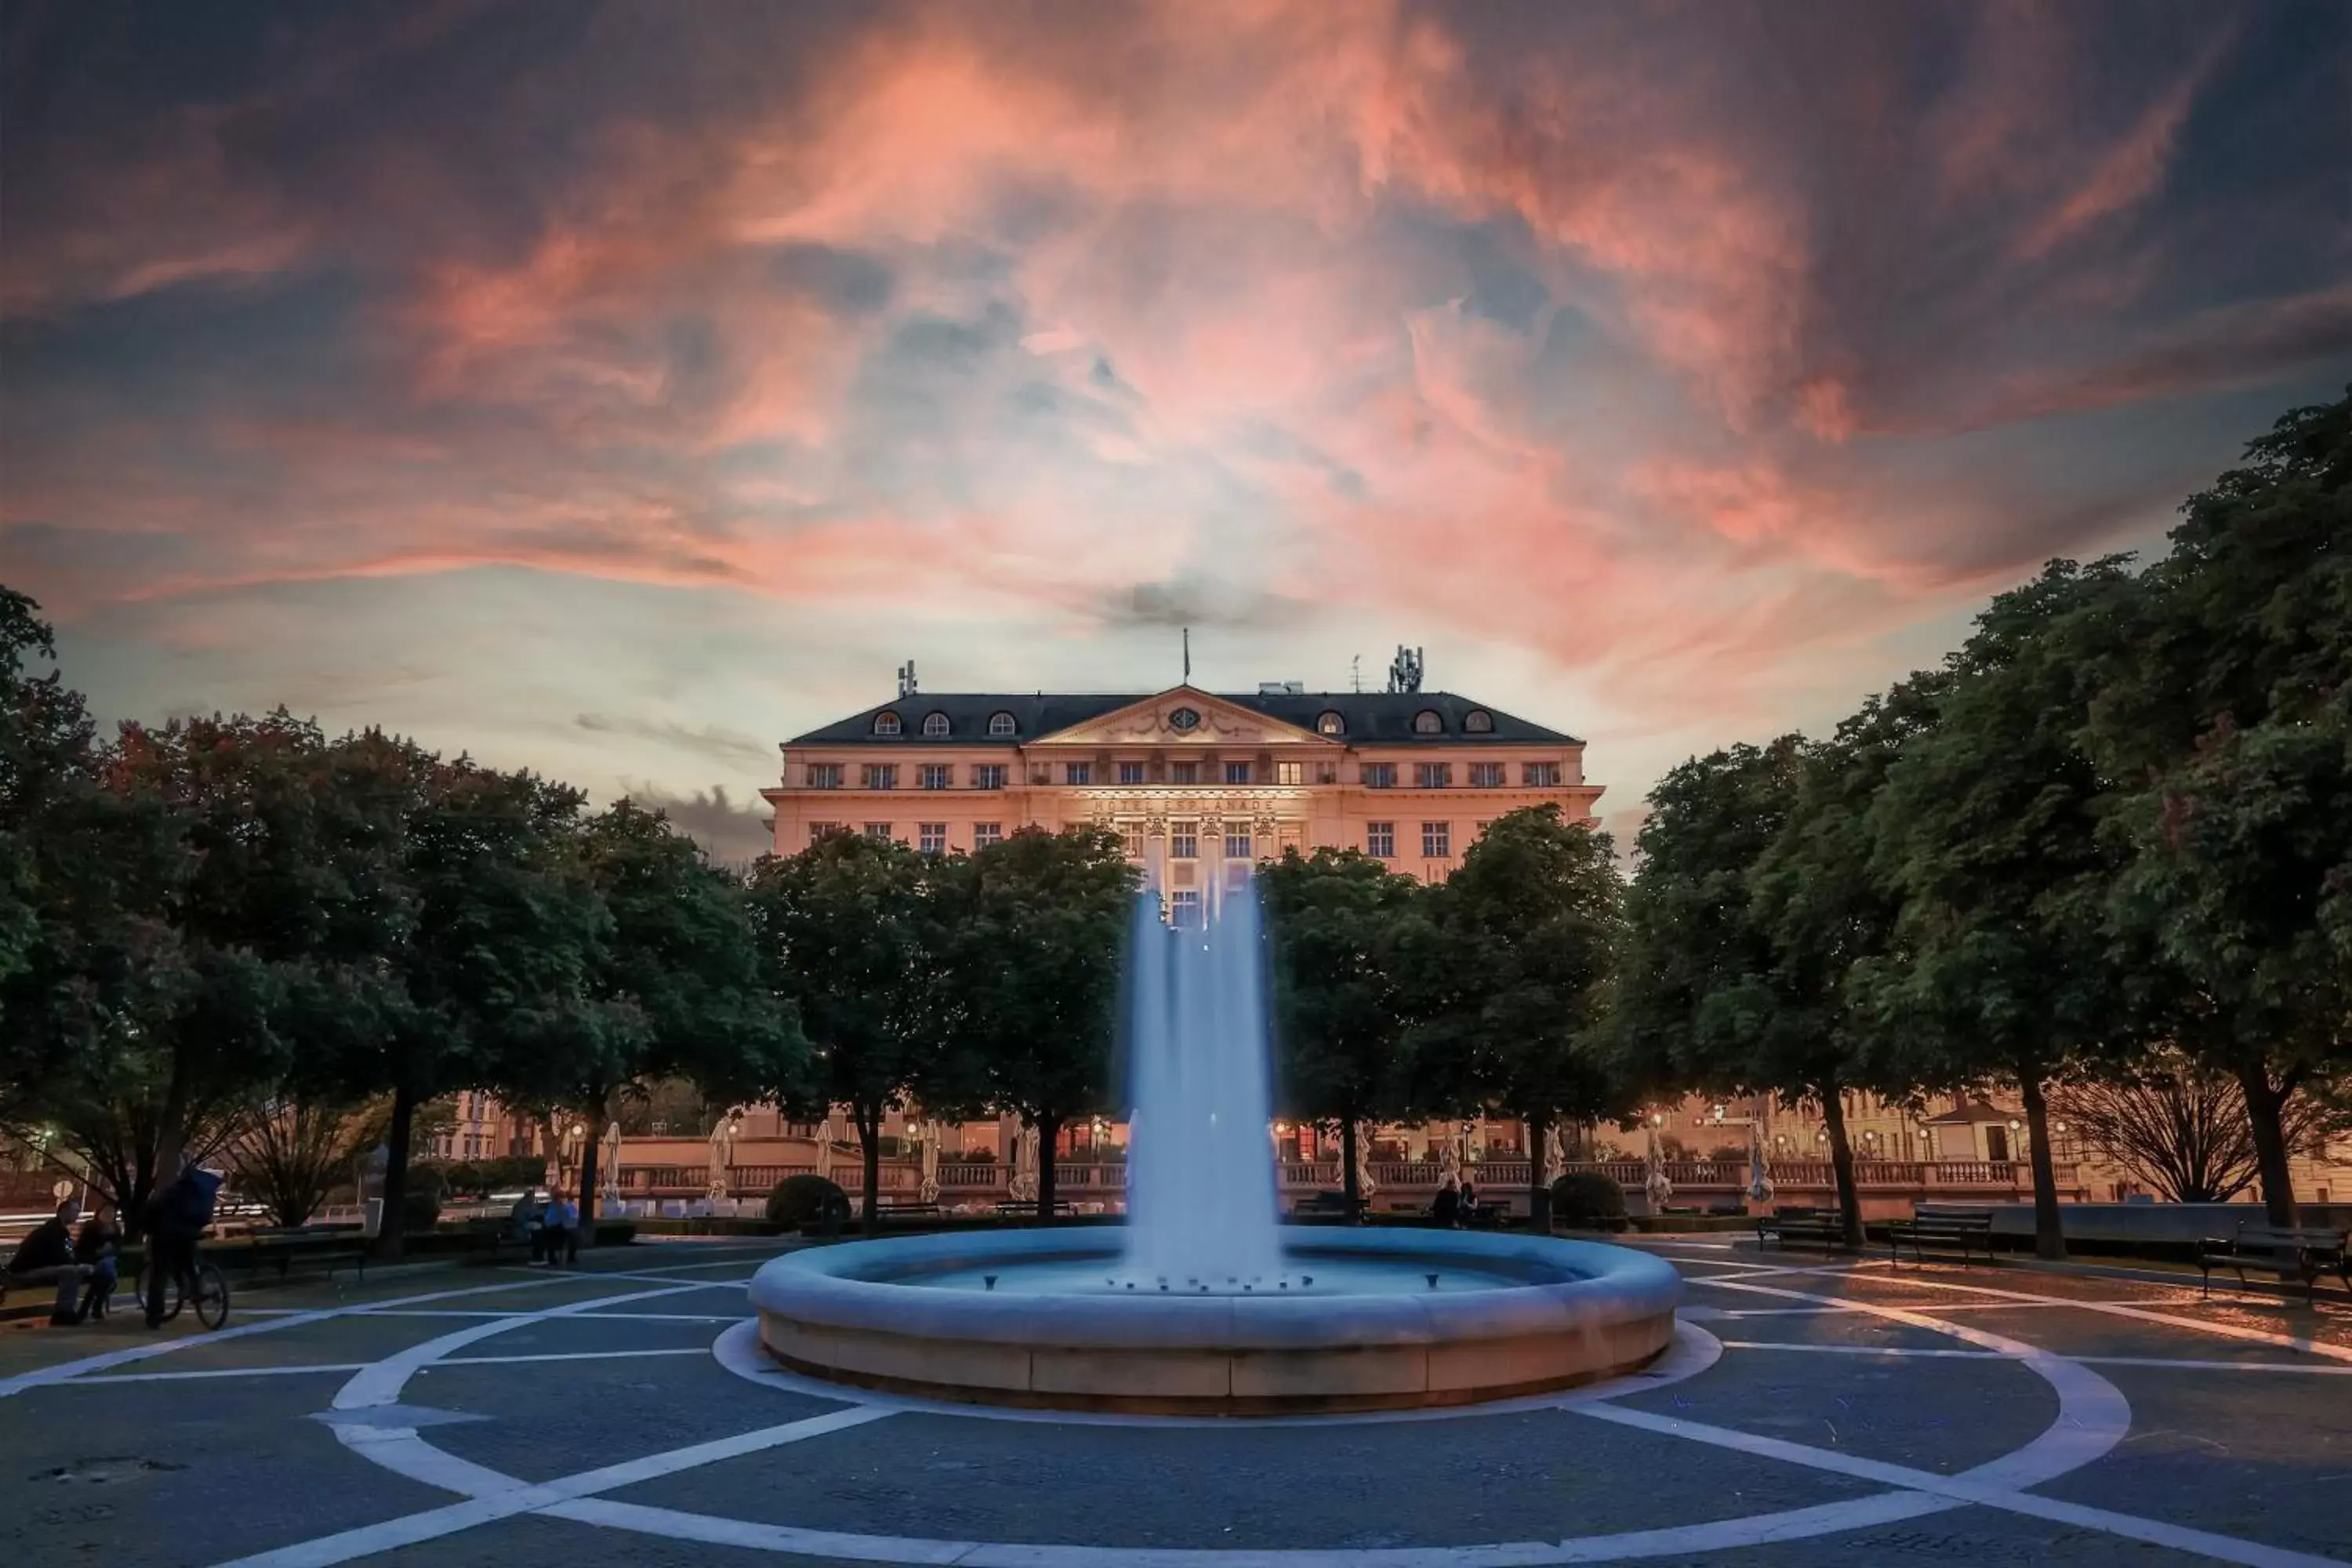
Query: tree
pixel 1991 826
pixel 1032 927
pixel 1708 998
pixel 2231 715
pixel 45 760
pixel 291 1154
pixel 849 936
pixel 1527 933
pixel 1338 922
pixel 2182 1127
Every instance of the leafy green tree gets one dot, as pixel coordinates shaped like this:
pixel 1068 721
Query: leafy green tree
pixel 1342 927
pixel 2229 714
pixel 1706 999
pixel 1991 826
pixel 45 760
pixel 1527 933
pixel 1032 927
pixel 850 936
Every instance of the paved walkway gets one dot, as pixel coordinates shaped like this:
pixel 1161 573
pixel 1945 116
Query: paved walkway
pixel 1809 1412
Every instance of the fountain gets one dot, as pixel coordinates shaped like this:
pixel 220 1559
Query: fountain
pixel 1202 1303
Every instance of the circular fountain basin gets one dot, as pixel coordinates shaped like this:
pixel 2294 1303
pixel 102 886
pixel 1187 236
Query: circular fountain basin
pixel 1356 1321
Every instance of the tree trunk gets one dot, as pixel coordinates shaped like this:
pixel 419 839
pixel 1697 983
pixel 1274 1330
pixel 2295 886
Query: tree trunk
pixel 1351 1188
pixel 2049 1228
pixel 1539 1178
pixel 588 1173
pixel 395 1171
pixel 2266 1114
pixel 1842 1164
pixel 1049 1132
pixel 869 1146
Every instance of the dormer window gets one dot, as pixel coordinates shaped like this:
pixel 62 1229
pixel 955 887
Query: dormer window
pixel 1330 724
pixel 935 725
pixel 885 723
pixel 1428 722
pixel 999 723
pixel 1479 722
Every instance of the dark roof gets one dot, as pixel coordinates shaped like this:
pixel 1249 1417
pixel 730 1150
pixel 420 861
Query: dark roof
pixel 1381 717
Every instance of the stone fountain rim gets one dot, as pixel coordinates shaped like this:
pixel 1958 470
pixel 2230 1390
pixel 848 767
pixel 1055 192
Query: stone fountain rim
pixel 832 1287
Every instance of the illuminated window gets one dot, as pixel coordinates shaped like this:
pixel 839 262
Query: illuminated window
pixel 1290 772
pixel 935 723
pixel 1077 773
pixel 988 775
pixel 1428 722
pixel 1237 772
pixel 984 833
pixel 932 837
pixel 1130 773
pixel 1330 724
pixel 1436 841
pixel 1380 840
pixel 1000 724
pixel 935 775
pixel 881 775
pixel 1540 776
pixel 1183 840
pixel 824 776
pixel 1486 775
pixel 885 723
pixel 1479 722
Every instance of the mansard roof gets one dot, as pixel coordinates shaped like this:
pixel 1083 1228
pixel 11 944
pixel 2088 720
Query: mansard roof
pixel 1377 718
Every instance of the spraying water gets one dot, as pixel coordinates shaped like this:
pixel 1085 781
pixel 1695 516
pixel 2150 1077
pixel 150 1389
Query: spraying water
pixel 1199 1180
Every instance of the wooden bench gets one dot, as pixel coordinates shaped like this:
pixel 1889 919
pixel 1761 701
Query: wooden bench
pixel 2303 1254
pixel 1945 1227
pixel 1824 1228
pixel 888 1207
pixel 1321 1206
pixel 1029 1206
pixel 282 1246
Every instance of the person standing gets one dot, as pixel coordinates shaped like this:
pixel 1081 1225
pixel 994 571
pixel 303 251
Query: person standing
pixel 1446 1209
pixel 562 1231
pixel 46 1257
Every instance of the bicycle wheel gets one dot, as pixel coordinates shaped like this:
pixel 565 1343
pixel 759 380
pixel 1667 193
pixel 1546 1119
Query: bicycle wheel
pixel 171 1292
pixel 212 1296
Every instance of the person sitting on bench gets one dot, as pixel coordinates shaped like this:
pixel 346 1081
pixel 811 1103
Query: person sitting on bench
pixel 98 1248
pixel 47 1258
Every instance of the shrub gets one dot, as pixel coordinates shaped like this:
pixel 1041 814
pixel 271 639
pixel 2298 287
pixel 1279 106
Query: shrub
pixel 1587 1200
pixel 419 1211
pixel 808 1199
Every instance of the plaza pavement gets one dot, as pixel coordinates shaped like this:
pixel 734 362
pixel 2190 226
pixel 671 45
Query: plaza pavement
pixel 1810 1412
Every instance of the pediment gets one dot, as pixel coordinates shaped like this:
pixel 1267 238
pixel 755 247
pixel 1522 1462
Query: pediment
pixel 1161 721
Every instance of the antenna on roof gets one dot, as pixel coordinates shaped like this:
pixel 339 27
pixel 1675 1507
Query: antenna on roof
pixel 1404 670
pixel 906 679
pixel 1188 656
pixel 1355 672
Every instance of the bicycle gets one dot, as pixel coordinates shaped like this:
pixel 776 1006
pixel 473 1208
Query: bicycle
pixel 212 1293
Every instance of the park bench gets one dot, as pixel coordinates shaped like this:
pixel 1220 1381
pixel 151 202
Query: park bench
pixel 1321 1205
pixel 282 1246
pixel 1945 1227
pixel 1061 1207
pixel 2303 1254
pixel 888 1206
pixel 1824 1228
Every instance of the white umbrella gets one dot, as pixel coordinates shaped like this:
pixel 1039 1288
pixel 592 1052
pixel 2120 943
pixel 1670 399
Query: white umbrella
pixel 1760 1180
pixel 1655 1182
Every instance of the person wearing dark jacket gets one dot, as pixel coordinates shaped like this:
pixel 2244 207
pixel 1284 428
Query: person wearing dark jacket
pixel 47 1258
pixel 97 1249
pixel 177 1216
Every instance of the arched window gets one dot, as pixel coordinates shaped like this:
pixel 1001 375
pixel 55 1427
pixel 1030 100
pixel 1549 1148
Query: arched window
pixel 885 723
pixel 935 725
pixel 1330 724
pixel 1428 722
pixel 999 723
pixel 1479 722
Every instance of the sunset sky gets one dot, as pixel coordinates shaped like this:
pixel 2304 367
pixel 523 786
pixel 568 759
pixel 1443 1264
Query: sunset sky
pixel 620 389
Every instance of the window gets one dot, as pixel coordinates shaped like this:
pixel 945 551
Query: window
pixel 1185 772
pixel 1484 823
pixel 1184 910
pixel 1433 775
pixel 984 833
pixel 1184 720
pixel 1330 724
pixel 1237 772
pixel 1237 841
pixel 935 723
pixel 932 837
pixel 988 775
pixel 1000 724
pixel 935 775
pixel 1289 773
pixel 885 723
pixel 1077 773
pixel 1130 773
pixel 1428 722
pixel 878 831
pixel 824 776
pixel 1436 841
pixel 881 775
pixel 1130 839
pixel 1380 840
pixel 1183 840
pixel 820 830
pixel 1540 776
pixel 1479 722
pixel 1486 775
pixel 1379 776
